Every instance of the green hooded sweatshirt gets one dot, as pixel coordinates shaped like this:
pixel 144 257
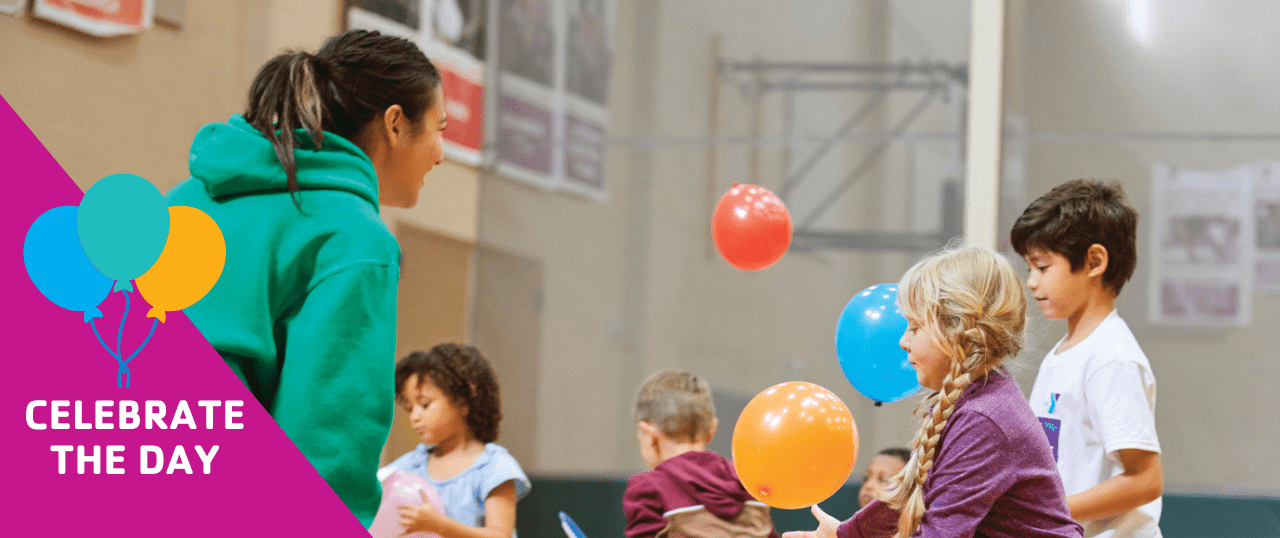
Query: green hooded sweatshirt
pixel 305 309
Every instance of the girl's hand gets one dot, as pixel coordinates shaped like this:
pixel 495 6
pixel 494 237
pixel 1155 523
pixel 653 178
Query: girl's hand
pixel 826 526
pixel 423 518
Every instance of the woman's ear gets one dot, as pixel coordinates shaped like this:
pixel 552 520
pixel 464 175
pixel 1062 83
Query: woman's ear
pixel 711 432
pixel 395 125
pixel 1096 259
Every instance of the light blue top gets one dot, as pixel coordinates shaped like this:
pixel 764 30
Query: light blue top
pixel 464 494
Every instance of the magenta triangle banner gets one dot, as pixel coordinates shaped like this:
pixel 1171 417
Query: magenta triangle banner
pixel 169 444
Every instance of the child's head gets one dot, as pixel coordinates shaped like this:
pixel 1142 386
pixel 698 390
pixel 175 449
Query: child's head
pixel 673 406
pixel 1088 224
pixel 448 391
pixel 966 313
pixel 887 464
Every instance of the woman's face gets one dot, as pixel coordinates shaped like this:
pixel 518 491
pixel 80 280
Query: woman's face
pixel 879 472
pixel 411 154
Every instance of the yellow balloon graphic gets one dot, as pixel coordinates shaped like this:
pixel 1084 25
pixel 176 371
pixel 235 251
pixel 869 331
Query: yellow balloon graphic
pixel 188 267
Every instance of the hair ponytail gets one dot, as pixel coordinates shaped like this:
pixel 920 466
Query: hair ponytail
pixel 349 83
pixel 284 97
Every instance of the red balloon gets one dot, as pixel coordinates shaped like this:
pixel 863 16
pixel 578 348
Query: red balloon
pixel 751 227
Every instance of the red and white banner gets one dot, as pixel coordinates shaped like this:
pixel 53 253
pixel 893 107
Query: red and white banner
pixel 102 18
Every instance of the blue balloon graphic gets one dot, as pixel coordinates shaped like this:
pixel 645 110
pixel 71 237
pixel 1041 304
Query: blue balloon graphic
pixel 867 338
pixel 123 225
pixel 58 266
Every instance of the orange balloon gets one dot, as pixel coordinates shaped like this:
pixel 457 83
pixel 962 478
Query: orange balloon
pixel 794 445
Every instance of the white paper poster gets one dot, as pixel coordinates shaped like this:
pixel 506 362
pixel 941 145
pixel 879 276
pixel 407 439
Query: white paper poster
pixel 1202 246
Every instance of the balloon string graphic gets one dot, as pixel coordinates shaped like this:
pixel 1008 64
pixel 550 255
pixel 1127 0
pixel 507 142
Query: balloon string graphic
pixel 120 333
pixel 113 354
pixel 125 363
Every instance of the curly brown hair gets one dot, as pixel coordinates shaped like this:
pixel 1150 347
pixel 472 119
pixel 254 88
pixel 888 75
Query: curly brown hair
pixel 462 374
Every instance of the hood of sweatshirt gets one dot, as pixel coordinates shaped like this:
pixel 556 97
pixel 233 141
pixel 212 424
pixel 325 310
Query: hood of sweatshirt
pixel 709 478
pixel 235 159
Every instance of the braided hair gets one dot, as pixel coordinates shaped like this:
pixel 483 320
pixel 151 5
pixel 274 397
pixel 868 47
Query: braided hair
pixel 971 303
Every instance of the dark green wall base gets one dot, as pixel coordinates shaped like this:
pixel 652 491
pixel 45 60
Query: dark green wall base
pixel 596 505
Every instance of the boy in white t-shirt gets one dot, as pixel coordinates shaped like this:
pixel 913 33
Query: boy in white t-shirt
pixel 1095 393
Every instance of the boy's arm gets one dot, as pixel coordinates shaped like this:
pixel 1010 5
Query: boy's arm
pixel 1141 482
pixel 1117 398
pixel 642 504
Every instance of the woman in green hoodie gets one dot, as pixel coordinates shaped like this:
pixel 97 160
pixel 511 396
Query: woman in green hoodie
pixel 305 310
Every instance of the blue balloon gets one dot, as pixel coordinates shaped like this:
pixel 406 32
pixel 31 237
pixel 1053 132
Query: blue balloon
pixel 58 266
pixel 867 338
pixel 123 224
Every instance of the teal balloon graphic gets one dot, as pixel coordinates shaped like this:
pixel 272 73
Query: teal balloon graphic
pixel 58 267
pixel 123 223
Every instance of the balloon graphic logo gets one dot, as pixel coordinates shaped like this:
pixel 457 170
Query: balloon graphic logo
pixel 794 445
pixel 58 266
pixel 188 267
pixel 121 231
pixel 867 338
pixel 123 223
pixel 751 228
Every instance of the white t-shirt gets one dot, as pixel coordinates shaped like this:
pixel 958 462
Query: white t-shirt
pixel 1095 399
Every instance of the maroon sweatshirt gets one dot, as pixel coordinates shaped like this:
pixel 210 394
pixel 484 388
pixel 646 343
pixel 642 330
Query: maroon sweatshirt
pixel 993 475
pixel 695 491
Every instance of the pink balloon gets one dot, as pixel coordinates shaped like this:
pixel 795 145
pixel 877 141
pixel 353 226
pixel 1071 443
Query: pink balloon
pixel 397 489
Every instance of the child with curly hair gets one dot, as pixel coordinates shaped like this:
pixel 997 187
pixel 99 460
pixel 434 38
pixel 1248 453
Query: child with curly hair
pixel 451 396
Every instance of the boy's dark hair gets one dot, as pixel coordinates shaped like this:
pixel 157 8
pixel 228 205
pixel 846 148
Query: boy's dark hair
pixel 463 374
pixel 901 453
pixel 1074 216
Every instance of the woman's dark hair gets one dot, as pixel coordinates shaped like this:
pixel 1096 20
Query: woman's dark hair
pixel 462 374
pixel 351 81
pixel 901 453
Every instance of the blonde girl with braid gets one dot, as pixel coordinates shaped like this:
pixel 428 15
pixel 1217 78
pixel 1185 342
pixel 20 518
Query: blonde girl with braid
pixel 980 463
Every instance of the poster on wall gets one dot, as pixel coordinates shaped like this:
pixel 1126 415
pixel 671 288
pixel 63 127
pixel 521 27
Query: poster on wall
pixel 1202 246
pixel 452 35
pixel 98 18
pixel 1267 227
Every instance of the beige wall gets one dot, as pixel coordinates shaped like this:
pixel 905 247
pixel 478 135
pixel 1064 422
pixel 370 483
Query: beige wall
pixel 633 285
pixel 108 105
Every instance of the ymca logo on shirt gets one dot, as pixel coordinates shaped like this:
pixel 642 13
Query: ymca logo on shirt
pixel 1052 426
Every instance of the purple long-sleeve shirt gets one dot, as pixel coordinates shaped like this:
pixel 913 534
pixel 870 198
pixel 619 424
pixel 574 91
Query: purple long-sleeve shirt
pixel 993 475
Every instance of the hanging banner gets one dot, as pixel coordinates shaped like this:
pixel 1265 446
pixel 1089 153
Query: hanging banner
pixel 102 18
pixel 452 34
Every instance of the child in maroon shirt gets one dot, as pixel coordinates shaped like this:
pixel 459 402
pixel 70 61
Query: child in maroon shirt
pixel 981 465
pixel 690 491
